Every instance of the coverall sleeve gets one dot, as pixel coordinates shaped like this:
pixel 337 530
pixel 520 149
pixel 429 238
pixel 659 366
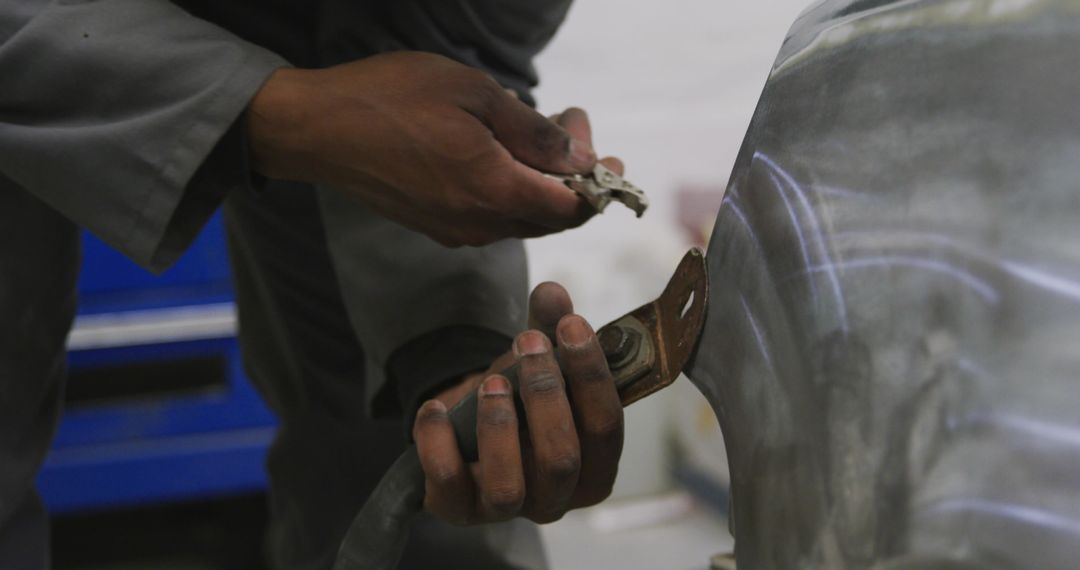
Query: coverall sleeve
pixel 115 113
pixel 427 314
pixel 422 367
pixel 424 313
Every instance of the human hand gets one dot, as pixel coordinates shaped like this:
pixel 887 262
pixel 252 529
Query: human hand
pixel 432 144
pixel 566 458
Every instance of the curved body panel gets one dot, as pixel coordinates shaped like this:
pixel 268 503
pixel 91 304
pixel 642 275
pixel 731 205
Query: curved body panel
pixel 893 341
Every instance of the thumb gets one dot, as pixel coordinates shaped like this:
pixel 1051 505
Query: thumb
pixel 536 140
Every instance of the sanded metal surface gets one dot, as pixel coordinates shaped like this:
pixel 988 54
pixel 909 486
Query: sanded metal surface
pixel 893 340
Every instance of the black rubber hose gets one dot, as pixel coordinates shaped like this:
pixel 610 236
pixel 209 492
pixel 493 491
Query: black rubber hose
pixel 378 534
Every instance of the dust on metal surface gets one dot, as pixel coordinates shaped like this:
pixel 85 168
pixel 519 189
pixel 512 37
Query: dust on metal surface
pixel 893 333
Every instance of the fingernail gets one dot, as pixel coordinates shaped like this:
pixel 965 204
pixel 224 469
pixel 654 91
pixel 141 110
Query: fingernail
pixel 582 156
pixel 495 386
pixel 574 331
pixel 531 342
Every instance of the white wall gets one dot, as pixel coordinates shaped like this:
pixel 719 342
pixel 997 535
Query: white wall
pixel 670 87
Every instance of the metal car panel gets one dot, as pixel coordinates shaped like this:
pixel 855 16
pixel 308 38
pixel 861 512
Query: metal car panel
pixel 893 340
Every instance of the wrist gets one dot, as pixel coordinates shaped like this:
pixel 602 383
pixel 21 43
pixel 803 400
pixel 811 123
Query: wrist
pixel 275 124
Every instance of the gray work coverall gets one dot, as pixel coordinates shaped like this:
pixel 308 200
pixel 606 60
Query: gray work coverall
pixel 124 117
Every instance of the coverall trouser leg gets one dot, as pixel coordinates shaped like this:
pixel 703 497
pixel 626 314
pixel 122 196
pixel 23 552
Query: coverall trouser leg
pixel 39 260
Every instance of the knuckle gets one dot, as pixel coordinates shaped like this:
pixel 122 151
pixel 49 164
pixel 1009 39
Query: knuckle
pixel 451 510
pixel 458 205
pixel 562 467
pixel 483 91
pixel 606 431
pixel 495 182
pixel 504 500
pixel 444 476
pixel 481 79
pixel 590 367
pixel 550 140
pixel 499 418
pixel 544 383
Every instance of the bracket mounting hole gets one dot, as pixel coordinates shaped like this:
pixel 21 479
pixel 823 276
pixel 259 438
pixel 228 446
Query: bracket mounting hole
pixel 687 305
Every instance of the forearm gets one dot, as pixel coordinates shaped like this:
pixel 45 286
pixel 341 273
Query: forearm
pixel 277 124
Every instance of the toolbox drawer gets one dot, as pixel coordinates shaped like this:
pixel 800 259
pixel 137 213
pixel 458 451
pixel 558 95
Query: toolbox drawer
pixel 157 406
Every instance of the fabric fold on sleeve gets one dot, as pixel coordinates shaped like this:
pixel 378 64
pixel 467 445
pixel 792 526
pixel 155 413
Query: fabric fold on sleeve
pixel 405 292
pixel 123 116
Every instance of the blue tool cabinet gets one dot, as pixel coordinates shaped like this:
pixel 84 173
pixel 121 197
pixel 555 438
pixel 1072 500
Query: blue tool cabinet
pixel 157 407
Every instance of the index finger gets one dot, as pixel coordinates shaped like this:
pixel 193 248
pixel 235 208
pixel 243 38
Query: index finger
pixel 555 448
pixel 598 412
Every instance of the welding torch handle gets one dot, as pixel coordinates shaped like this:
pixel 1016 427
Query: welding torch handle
pixel 641 363
pixel 376 538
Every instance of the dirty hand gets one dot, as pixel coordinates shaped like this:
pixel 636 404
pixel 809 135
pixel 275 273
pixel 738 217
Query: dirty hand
pixel 430 143
pixel 568 455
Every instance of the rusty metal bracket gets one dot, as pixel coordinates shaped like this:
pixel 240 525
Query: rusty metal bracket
pixel 648 348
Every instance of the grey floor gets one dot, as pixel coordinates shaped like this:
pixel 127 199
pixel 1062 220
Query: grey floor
pixel 670 532
pixel 212 535
pixel 684 540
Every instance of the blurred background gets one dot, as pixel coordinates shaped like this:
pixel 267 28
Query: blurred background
pixel 670 88
pixel 158 461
